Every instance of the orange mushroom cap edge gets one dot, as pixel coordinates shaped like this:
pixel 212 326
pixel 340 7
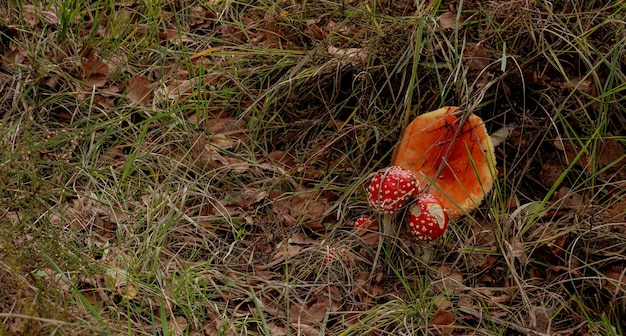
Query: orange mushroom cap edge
pixel 455 158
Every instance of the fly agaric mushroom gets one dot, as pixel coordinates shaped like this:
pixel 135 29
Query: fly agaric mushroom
pixel 451 152
pixel 390 189
pixel 365 223
pixel 428 220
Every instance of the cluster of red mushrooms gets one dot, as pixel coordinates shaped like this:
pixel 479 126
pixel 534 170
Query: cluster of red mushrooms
pixel 444 160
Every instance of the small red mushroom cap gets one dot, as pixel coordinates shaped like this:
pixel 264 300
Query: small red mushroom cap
pixel 428 220
pixel 391 188
pixel 365 223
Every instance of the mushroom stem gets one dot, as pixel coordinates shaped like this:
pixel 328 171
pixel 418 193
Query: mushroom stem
pixel 387 231
pixel 388 227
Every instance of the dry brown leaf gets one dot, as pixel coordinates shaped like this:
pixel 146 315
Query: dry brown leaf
pixel 207 156
pixel 541 320
pixel 519 138
pixel 176 89
pixel 315 214
pixel 306 329
pixel 95 72
pixel 336 299
pixel 177 326
pixel 199 18
pixel 276 329
pixel 225 126
pixel 482 233
pixel 370 238
pixel 551 170
pixel 495 297
pixel 139 91
pixel 301 208
pixel 314 31
pixel 175 36
pixel 17 55
pixel 465 301
pixel 111 91
pixel 232 33
pixel 283 159
pixel 366 291
pixel 448 20
pixel 252 196
pixel 610 152
pixel 517 249
pixel 584 85
pixel 245 198
pixel 618 276
pixel 442 322
pixel 128 291
pixel 313 314
pixel 569 198
pixel 368 232
pixel 477 56
pixel 210 330
pixel 310 314
pixel 118 280
pixel 236 165
pixel 282 209
pixel 270 35
pixel 222 142
pixel 285 251
pixel 450 280
pixel 31 16
pixel 301 239
pixel 101 100
pixel 616 211
pixel 271 307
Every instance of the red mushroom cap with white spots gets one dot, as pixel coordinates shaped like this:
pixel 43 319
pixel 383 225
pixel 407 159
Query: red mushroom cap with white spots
pixel 391 188
pixel 365 223
pixel 428 220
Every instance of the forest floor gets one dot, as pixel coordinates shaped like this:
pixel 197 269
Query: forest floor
pixel 196 168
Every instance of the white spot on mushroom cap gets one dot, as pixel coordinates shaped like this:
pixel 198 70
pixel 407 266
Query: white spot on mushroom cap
pixel 438 214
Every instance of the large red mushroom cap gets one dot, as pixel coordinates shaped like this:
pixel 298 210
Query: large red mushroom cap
pixel 428 220
pixel 390 189
pixel 456 156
